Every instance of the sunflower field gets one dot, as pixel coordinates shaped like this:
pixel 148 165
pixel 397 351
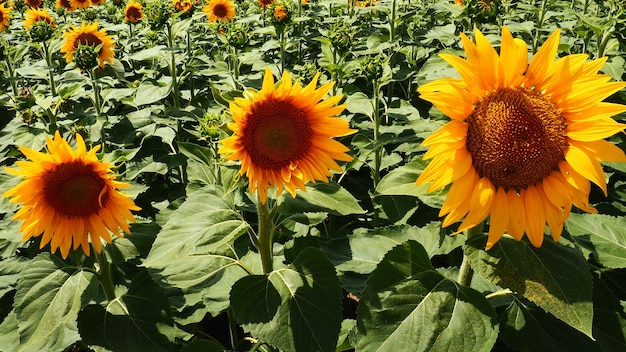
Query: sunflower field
pixel 312 175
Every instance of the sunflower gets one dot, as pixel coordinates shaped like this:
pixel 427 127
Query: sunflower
pixel 68 197
pixel 34 4
pixel 280 13
pixel 96 2
pixel 265 3
pixel 524 140
pixel 80 4
pixel 283 136
pixel 65 4
pixel 88 34
pixel 459 2
pixel 5 16
pixel 34 15
pixel 219 10
pixel 184 6
pixel 133 12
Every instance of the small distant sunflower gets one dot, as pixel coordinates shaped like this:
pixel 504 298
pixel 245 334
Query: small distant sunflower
pixel 280 13
pixel 80 4
pixel 283 136
pixel 184 6
pixel 34 4
pixel 33 15
pixel 133 12
pixel 65 4
pixel 96 2
pixel 265 3
pixel 459 2
pixel 5 16
pixel 69 197
pixel 88 34
pixel 219 10
pixel 524 140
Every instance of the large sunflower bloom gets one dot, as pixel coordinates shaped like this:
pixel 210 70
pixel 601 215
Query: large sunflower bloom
pixel 34 15
pixel 88 34
pixel 68 196
pixel 5 16
pixel 219 10
pixel 524 140
pixel 133 12
pixel 283 136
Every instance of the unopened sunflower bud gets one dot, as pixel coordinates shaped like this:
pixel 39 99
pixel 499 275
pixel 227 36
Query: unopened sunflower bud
pixel 86 57
pixel 41 31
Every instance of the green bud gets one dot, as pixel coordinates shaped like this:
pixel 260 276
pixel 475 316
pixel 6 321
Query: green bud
pixel 209 126
pixel 157 13
pixel 238 36
pixel 86 57
pixel 41 31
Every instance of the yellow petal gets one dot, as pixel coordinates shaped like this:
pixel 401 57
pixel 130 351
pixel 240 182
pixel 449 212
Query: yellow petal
pixel 535 215
pixel 499 217
pixel 586 166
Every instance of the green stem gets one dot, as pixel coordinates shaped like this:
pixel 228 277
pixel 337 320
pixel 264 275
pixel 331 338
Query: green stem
pixel 282 51
pixel 466 272
pixel 12 76
pixel 96 92
pixel 265 235
pixel 378 150
pixel 104 275
pixel 232 327
pixel 175 88
pixel 392 22
pixel 48 57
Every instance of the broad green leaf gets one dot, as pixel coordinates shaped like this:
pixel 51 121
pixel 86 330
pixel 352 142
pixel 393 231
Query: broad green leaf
pixel 192 255
pixel 554 277
pixel 153 53
pixel 401 182
pixel 48 298
pixel 320 197
pixel 609 319
pixel 9 333
pixel 398 209
pixel 603 235
pixel 361 251
pixel 151 91
pixel 10 271
pixel 408 306
pixel 137 321
pixel 359 103
pixel 303 303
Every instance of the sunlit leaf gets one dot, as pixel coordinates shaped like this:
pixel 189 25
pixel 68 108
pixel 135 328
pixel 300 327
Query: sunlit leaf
pixel 603 235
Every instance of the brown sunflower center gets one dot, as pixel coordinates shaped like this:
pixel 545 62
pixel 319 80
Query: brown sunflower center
pixel 276 134
pixel 220 10
pixel 133 13
pixel 74 189
pixel 516 136
pixel 87 39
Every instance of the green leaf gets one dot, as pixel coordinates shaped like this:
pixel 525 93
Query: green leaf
pixel 359 103
pixel 9 333
pixel 361 251
pixel 137 321
pixel 321 197
pixel 151 91
pixel 408 306
pixel 48 298
pixel 603 235
pixel 554 277
pixel 401 182
pixel 192 255
pixel 308 317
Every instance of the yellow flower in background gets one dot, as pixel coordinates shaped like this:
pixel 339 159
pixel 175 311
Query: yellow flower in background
pixel 283 135
pixel 34 4
pixel 219 10
pixel 5 16
pixel 280 13
pixel 66 4
pixel 88 34
pixel 133 12
pixel 459 2
pixel 80 4
pixel 69 197
pixel 265 3
pixel 525 140
pixel 33 15
pixel 184 6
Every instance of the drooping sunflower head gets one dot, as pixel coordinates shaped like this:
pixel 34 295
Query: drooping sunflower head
pixel 88 34
pixel 525 140
pixel 133 12
pixel 283 135
pixel 5 16
pixel 80 4
pixel 69 197
pixel 219 10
